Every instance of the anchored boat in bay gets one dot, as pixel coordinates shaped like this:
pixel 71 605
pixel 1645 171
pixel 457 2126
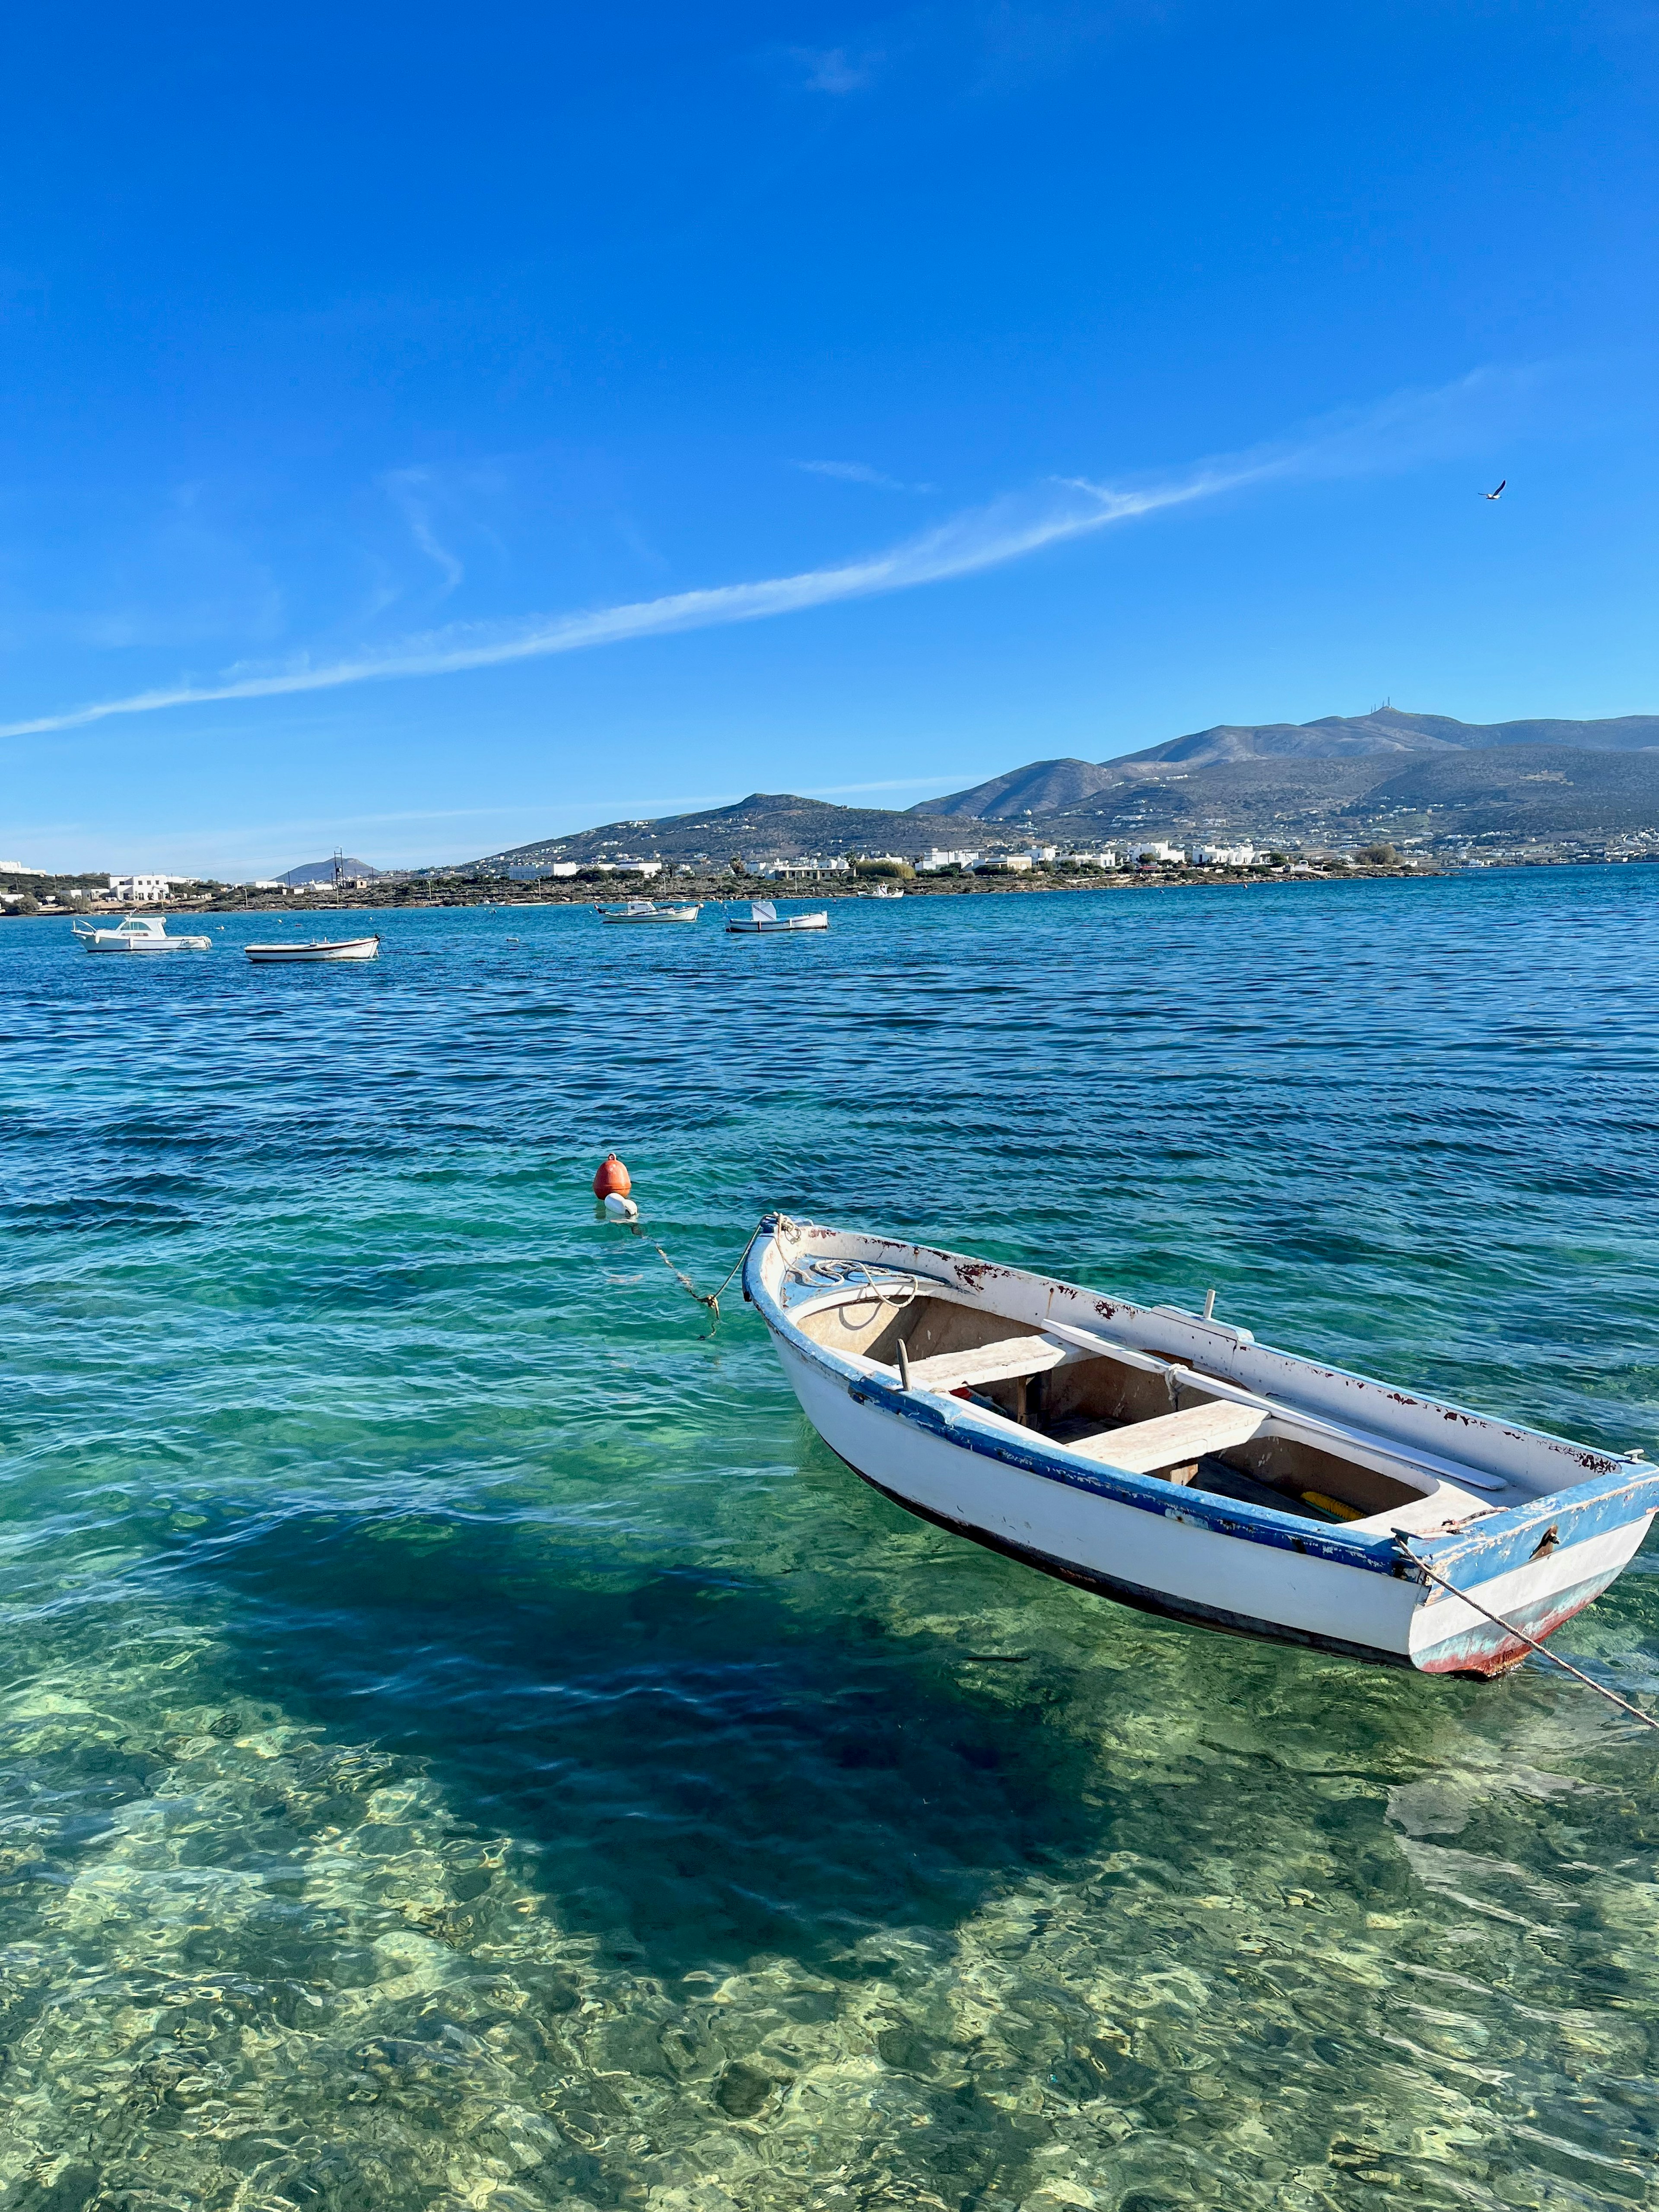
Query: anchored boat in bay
pixel 652 910
pixel 318 948
pixel 138 932
pixel 763 920
pixel 1167 1460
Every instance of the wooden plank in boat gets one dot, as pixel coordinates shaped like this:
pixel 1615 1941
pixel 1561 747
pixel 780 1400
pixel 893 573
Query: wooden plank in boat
pixel 1170 1439
pixel 990 1363
pixel 1317 1428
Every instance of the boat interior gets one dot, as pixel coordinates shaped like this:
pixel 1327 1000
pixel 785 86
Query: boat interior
pixel 1147 1412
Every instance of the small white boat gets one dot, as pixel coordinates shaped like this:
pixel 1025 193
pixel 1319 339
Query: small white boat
pixel 139 932
pixel 1167 1460
pixel 320 948
pixel 763 920
pixel 883 892
pixel 638 909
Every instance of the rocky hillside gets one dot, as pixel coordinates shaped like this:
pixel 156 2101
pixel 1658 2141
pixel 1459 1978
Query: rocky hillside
pixel 1342 780
pixel 772 823
pixel 1061 786
pixel 1534 793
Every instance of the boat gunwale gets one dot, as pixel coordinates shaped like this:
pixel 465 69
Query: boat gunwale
pixel 1494 1544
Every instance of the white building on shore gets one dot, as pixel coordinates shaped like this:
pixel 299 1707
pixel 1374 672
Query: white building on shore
pixel 141 890
pixel 1223 856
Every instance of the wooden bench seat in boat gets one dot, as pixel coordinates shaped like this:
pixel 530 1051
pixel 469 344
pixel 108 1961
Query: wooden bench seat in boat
pixel 1173 1439
pixel 993 1363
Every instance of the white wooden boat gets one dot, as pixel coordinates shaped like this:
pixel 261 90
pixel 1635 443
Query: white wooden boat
pixel 638 909
pixel 320 948
pixel 138 932
pixel 1167 1460
pixel 763 920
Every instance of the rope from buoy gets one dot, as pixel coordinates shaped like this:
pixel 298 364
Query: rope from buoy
pixel 709 1299
pixel 1510 1628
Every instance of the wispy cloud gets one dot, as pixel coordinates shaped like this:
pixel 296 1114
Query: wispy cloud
pixel 858 472
pixel 832 70
pixel 984 538
pixel 406 486
pixel 1406 429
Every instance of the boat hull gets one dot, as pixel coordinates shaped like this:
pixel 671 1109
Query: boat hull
pixel 149 944
pixel 1154 1565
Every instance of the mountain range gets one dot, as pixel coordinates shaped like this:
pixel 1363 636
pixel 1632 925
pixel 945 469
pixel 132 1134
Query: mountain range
pixel 1064 787
pixel 1342 780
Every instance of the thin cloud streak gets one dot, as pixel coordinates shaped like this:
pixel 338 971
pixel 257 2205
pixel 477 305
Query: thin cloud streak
pixel 985 537
pixel 401 485
pixel 858 472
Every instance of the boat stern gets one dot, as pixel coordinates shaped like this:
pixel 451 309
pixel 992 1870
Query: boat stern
pixel 1495 1589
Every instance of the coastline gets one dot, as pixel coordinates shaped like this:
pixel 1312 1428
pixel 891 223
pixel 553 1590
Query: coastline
pixel 402 896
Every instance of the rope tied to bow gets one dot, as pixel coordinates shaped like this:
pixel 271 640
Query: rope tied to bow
pixel 709 1299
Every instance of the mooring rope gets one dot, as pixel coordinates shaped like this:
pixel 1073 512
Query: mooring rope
pixel 1510 1628
pixel 709 1299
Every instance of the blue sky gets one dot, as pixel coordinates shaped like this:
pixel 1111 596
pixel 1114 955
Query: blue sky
pixel 427 430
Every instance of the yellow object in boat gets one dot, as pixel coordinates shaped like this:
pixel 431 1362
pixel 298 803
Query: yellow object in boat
pixel 1332 1505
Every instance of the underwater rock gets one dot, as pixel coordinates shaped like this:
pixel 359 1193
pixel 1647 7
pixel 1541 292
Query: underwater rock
pixel 905 2050
pixel 743 2090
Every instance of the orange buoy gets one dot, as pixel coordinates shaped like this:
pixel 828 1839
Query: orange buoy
pixel 613 1179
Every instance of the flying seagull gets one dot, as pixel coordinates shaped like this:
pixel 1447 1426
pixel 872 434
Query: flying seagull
pixel 1498 494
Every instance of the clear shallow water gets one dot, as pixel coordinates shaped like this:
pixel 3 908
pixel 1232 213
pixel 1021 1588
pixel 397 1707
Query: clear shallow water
pixel 463 1742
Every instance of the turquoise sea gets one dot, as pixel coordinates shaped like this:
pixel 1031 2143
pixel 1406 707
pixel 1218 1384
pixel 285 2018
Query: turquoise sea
pixel 464 1744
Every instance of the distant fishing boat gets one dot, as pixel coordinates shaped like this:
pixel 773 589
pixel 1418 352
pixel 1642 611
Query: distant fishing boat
pixel 1167 1460
pixel 320 948
pixel 763 920
pixel 639 909
pixel 138 932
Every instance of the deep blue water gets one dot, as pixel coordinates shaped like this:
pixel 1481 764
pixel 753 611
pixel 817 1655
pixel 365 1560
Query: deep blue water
pixel 463 1743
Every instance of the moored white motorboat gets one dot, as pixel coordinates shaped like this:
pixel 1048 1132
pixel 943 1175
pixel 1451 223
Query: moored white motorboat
pixel 320 948
pixel 637 909
pixel 1167 1460
pixel 763 920
pixel 139 932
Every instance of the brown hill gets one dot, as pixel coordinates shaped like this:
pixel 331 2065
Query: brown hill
pixel 774 823
pixel 1058 786
pixel 1342 780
